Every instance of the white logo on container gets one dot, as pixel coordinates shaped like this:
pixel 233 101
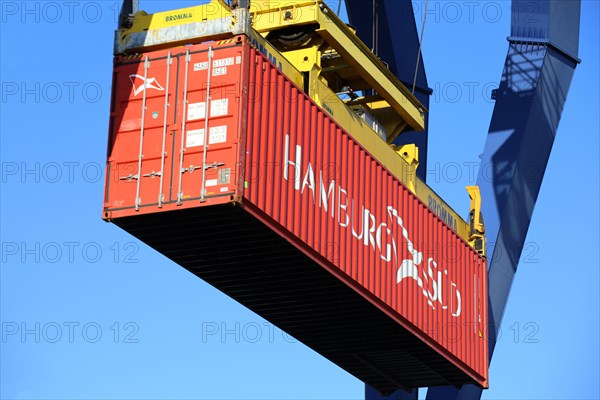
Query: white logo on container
pixel 144 83
pixel 431 281
pixel 434 284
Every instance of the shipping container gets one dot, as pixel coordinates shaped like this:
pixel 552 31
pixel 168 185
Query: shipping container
pixel 220 162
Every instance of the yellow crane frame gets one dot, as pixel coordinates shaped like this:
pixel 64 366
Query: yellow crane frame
pixel 394 105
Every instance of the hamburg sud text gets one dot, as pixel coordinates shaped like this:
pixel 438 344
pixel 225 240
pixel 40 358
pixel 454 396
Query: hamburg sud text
pixel 382 231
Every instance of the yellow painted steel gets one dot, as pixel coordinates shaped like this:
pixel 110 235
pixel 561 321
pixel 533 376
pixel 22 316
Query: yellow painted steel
pixel 476 225
pixel 398 166
pixel 165 19
pixel 304 59
pixel 270 15
pixel 262 45
pixel 153 24
pixel 410 154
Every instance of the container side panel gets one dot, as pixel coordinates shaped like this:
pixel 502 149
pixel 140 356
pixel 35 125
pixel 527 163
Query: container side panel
pixel 324 189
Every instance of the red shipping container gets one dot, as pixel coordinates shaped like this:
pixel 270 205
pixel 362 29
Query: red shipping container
pixel 291 216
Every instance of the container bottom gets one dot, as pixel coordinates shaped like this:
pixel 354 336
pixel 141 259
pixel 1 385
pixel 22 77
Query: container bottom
pixel 236 253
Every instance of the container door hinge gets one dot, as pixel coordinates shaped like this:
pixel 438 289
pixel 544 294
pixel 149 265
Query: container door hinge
pixel 190 169
pixel 214 165
pixel 129 177
pixel 152 174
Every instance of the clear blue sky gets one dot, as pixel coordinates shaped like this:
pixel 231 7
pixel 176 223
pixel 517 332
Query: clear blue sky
pixel 134 325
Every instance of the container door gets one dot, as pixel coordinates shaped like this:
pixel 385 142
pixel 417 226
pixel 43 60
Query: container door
pixel 142 128
pixel 158 157
pixel 205 167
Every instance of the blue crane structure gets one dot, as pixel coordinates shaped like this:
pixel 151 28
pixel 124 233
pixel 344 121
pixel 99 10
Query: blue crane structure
pixel 542 56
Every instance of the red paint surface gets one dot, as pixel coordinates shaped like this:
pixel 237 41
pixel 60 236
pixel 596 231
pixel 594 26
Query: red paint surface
pixel 297 171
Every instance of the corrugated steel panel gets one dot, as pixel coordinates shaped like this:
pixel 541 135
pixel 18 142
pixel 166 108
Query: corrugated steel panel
pixel 324 242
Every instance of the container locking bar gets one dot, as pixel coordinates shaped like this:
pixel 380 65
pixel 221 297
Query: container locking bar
pixel 206 116
pixel 138 200
pixel 163 152
pixel 184 118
